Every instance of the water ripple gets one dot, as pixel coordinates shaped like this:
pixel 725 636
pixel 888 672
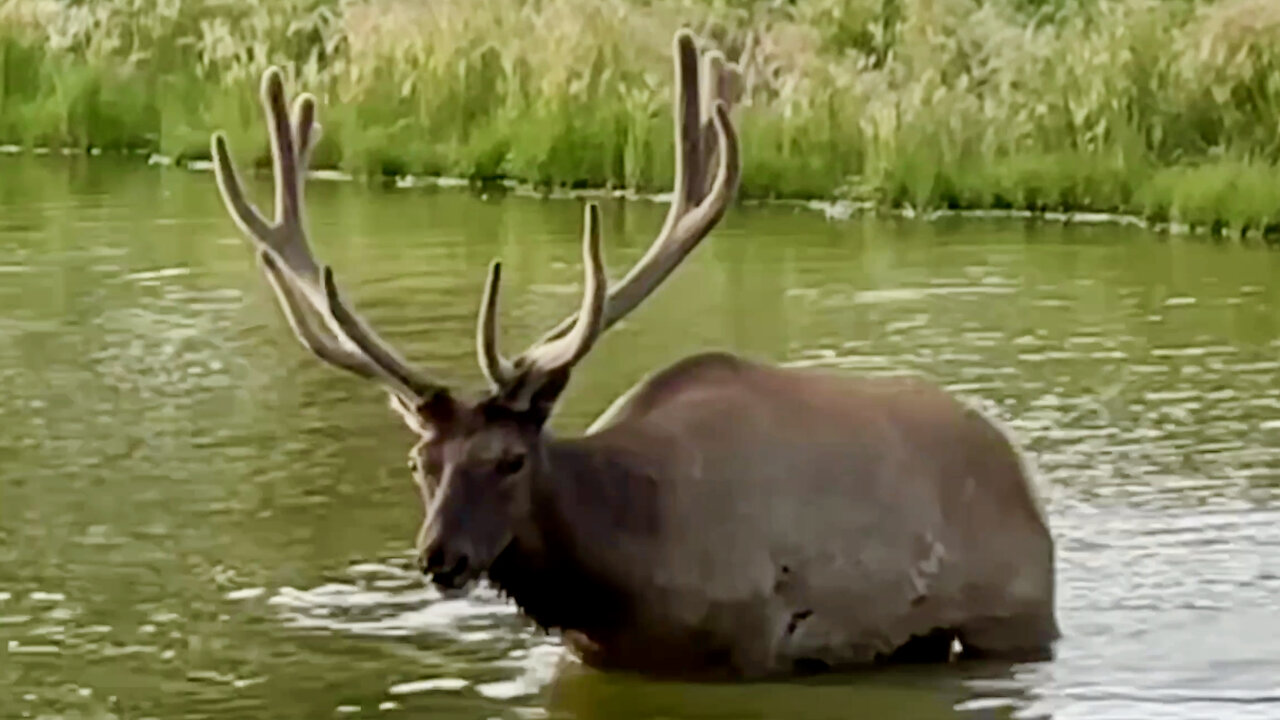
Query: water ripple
pixel 198 520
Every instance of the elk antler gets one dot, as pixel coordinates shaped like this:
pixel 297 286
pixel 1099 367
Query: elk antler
pixel 302 286
pixel 705 138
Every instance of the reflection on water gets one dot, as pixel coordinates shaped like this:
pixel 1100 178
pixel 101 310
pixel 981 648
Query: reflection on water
pixel 196 519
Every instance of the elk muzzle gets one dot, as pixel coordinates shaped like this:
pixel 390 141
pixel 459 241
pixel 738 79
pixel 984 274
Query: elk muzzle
pixel 449 565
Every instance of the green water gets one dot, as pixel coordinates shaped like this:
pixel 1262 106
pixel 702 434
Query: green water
pixel 199 520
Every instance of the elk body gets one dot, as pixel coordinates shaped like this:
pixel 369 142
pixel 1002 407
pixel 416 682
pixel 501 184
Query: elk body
pixel 725 517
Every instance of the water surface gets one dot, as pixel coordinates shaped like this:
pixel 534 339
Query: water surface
pixel 199 520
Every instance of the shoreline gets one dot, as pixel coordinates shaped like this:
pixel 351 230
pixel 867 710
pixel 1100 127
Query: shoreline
pixel 831 208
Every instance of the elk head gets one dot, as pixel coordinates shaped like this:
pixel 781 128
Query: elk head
pixel 478 460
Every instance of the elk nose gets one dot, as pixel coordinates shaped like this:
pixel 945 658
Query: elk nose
pixel 447 569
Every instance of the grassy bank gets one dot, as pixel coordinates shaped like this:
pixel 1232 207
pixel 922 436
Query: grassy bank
pixel 1169 109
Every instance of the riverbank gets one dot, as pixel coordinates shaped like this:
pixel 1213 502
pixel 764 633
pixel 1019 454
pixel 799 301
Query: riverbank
pixel 1168 112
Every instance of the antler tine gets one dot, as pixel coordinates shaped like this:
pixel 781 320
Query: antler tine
pixel 312 336
pixel 568 349
pixel 286 255
pixel 497 370
pixel 521 378
pixel 705 136
pixel 691 149
pixel 716 89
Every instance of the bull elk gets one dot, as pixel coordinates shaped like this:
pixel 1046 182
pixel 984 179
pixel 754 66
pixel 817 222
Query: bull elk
pixel 723 518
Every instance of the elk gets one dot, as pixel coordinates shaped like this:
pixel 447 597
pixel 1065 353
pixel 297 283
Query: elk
pixel 724 518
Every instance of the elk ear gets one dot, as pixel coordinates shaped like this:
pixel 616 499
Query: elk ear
pixel 533 398
pixel 542 401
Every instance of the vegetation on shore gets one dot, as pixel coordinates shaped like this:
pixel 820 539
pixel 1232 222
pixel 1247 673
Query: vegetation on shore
pixel 1167 109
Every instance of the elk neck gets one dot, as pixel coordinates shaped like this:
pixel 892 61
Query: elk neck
pixel 593 506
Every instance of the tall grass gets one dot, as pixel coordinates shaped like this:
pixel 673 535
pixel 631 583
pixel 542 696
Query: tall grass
pixel 1165 108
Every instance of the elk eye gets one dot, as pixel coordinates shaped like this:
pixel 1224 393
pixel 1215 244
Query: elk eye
pixel 510 465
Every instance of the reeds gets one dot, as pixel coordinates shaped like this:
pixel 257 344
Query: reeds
pixel 1169 109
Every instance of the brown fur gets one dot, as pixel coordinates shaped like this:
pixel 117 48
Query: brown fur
pixel 733 517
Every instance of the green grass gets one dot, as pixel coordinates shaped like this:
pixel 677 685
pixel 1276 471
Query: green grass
pixel 1166 109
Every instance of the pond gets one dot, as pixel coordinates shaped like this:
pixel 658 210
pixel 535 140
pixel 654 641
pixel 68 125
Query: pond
pixel 199 520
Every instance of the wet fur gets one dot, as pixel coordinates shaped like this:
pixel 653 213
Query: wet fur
pixel 656 545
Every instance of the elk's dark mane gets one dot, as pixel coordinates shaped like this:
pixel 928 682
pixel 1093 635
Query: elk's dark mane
pixel 561 577
pixel 579 575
